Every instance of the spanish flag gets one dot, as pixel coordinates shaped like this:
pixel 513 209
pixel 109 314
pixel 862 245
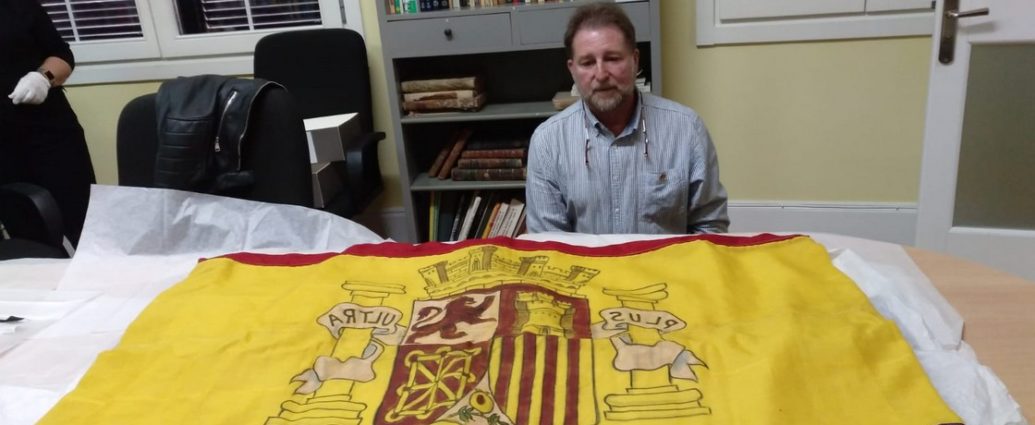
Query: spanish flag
pixel 690 330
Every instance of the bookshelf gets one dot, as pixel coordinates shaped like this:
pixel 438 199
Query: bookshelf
pixel 518 51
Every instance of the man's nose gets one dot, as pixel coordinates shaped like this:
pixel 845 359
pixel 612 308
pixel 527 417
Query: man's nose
pixel 600 72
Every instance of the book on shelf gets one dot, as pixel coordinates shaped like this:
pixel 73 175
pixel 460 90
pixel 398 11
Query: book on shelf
pixel 495 153
pixel 442 84
pixel 521 229
pixel 443 105
pixel 642 84
pixel 497 220
pixel 483 215
pixel 448 204
pixel 433 201
pixel 440 159
pixel 439 95
pixel 488 144
pixel 469 217
pixel 458 218
pixel 488 174
pixel 490 219
pixel 507 224
pixel 454 153
pixel 564 99
pixel 466 163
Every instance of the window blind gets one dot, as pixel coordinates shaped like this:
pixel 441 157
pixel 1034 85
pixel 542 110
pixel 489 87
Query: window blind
pixel 87 20
pixel 247 15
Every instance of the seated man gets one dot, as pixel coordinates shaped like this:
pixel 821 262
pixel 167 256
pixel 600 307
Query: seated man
pixel 620 161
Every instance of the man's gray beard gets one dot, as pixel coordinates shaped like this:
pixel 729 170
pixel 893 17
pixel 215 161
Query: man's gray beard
pixel 605 105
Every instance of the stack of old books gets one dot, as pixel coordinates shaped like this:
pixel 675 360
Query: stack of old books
pixel 488 159
pixel 443 94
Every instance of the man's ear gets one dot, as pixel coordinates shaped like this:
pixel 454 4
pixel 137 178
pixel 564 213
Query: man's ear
pixel 636 59
pixel 571 67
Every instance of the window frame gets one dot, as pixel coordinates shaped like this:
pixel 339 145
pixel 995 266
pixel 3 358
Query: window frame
pixel 122 49
pixel 879 18
pixel 165 54
pixel 175 45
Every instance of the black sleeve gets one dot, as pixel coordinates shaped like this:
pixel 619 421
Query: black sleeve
pixel 47 38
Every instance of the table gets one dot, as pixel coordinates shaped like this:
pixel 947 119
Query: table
pixel 999 309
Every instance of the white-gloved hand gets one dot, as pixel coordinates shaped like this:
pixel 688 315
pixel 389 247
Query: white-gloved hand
pixel 31 89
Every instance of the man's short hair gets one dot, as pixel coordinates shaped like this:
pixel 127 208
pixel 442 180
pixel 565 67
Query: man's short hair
pixel 598 15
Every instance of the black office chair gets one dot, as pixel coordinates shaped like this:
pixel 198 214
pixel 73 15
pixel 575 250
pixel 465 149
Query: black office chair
pixel 32 220
pixel 326 71
pixel 274 150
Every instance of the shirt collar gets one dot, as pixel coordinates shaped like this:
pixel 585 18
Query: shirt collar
pixel 630 127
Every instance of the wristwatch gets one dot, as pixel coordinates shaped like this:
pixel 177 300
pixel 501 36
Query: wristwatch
pixel 46 73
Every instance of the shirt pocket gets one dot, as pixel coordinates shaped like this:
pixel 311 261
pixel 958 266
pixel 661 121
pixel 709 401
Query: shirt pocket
pixel 663 202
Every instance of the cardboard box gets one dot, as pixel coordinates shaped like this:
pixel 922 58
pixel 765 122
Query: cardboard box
pixel 327 136
pixel 327 183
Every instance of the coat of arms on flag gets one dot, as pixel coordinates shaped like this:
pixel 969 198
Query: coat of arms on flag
pixel 494 339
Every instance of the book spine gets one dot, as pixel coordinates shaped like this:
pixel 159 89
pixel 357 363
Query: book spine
pixel 440 159
pixel 433 216
pixel 436 105
pixel 441 84
pixel 454 154
pixel 497 144
pixel 489 163
pixel 469 217
pixel 487 229
pixel 509 224
pixel 458 217
pixel 497 221
pixel 437 95
pixel 488 174
pixel 494 153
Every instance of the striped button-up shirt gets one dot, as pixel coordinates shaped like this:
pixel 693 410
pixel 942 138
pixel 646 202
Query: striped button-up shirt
pixel 659 177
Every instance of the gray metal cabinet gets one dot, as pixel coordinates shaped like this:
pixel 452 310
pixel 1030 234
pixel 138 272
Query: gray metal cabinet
pixel 519 52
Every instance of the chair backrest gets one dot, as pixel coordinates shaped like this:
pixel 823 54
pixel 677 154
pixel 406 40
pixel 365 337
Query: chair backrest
pixel 31 217
pixel 275 149
pixel 324 69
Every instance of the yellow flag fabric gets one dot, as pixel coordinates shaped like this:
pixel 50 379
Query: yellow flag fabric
pixel 690 330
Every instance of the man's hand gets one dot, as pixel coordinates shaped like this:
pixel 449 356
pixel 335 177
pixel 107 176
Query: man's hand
pixel 32 89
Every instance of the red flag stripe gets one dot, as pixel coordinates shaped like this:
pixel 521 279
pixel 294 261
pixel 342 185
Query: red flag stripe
pixel 571 403
pixel 527 378
pixel 506 367
pixel 549 380
pixel 404 250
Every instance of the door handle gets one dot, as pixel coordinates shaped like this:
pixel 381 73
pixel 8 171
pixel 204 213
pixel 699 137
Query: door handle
pixel 952 14
pixel 976 12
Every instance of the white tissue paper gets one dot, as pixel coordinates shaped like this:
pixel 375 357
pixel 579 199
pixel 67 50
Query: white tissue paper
pixel 136 243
